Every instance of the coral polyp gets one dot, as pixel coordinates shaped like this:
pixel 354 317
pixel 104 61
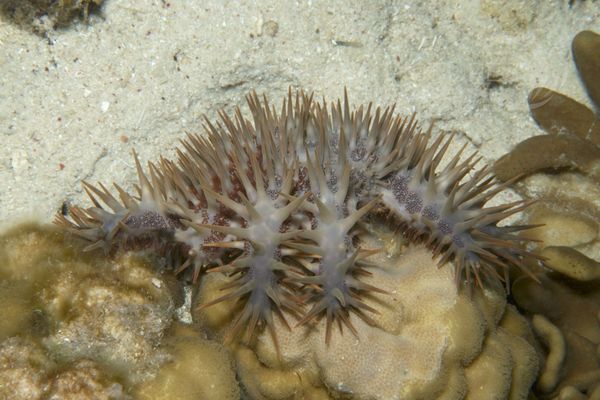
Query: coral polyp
pixel 276 203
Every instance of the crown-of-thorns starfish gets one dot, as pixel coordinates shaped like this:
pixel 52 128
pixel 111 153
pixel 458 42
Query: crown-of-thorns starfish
pixel 275 202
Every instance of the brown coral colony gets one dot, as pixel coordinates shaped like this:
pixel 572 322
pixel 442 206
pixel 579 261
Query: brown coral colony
pixel 276 202
pixel 560 172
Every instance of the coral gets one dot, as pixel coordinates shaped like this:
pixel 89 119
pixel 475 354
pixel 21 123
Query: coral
pixel 93 344
pixel 585 52
pixel 199 369
pixel 84 306
pixel 568 311
pixel 574 129
pixel 28 256
pixel 429 341
pixel 23 366
pixel 80 325
pixel 568 206
pixel 115 317
pixel 569 262
pixel 549 152
pixel 86 381
pixel 28 373
pixel 560 172
pixel 276 202
pixel 16 308
pixel 555 342
pixel 563 227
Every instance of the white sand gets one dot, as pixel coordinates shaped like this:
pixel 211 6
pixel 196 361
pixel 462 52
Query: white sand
pixel 149 69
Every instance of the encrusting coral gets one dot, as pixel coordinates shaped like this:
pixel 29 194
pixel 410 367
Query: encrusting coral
pixel 562 175
pixel 277 203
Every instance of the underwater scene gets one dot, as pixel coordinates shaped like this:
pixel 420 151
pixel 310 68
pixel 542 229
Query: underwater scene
pixel 299 200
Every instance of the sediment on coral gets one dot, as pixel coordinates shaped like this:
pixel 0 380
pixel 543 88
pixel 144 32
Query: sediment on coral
pixel 80 325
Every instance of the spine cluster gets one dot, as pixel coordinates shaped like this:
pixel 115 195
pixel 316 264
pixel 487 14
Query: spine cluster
pixel 275 202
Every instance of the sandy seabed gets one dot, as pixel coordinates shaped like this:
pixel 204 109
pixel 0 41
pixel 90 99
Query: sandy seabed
pixel 74 102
